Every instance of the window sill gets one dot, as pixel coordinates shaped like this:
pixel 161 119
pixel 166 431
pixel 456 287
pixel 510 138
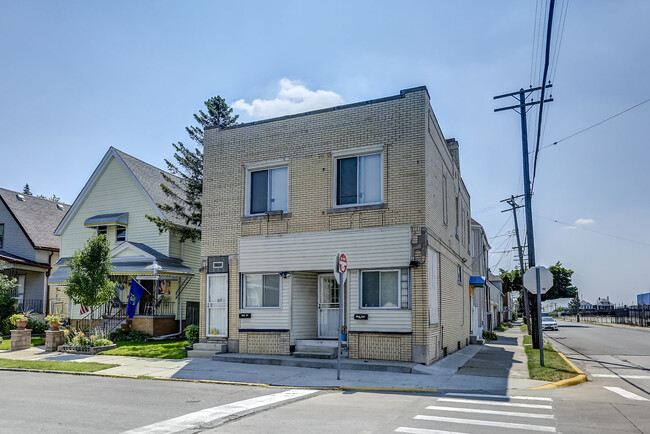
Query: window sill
pixel 357 208
pixel 248 218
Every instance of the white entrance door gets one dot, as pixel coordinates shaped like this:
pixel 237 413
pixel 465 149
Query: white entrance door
pixel 217 305
pixel 328 307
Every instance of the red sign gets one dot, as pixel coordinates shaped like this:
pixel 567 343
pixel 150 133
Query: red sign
pixel 343 263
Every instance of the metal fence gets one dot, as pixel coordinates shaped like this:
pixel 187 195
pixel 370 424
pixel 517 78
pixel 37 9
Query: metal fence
pixel 637 316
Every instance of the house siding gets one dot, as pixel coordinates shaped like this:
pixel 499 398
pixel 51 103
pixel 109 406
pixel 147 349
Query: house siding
pixel 15 241
pixel 304 316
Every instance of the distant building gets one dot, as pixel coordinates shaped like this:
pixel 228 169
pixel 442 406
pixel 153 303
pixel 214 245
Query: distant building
pixel 585 305
pixel 604 304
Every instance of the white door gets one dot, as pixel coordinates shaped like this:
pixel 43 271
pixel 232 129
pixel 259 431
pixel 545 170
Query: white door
pixel 217 305
pixel 328 307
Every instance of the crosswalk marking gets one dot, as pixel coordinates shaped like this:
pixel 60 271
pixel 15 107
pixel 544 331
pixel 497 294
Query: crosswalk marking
pixel 506 404
pixel 193 420
pixel 624 393
pixel 525 426
pixel 478 395
pixel 631 377
pixel 424 431
pixel 500 413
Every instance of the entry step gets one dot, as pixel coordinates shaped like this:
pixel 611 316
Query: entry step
pixel 206 350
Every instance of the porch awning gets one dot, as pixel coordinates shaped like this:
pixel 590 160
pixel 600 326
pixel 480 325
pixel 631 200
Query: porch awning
pixel 116 219
pixel 476 281
pixel 132 267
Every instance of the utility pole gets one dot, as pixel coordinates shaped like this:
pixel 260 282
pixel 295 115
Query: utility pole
pixel 523 96
pixel 514 206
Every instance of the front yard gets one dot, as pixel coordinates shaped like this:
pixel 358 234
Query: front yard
pixel 6 343
pixel 152 349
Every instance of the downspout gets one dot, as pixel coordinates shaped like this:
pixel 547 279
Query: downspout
pixel 47 285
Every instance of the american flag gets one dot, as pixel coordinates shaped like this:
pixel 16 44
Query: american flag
pixel 83 309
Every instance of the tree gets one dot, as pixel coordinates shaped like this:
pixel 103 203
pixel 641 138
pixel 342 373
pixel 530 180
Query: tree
pixel 574 305
pixel 511 280
pixel 89 281
pixel 7 300
pixel 189 167
pixel 53 198
pixel 562 287
pixel 26 190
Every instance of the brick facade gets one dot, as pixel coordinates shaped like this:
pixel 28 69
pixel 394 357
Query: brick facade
pixel 416 157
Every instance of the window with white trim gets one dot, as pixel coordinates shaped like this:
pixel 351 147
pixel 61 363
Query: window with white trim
pixel 120 234
pixel 385 289
pixel 261 290
pixel 359 180
pixel 268 190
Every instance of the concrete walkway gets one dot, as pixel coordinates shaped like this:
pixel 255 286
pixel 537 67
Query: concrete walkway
pixel 493 368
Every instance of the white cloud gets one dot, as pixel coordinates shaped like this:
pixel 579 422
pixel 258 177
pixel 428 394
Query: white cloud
pixel 292 98
pixel 584 222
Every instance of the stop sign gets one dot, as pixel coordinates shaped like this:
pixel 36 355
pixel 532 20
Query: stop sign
pixel 343 263
pixel 545 280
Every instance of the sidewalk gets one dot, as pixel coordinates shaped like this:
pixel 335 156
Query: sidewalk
pixel 493 368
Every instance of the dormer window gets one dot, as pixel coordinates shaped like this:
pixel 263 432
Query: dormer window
pixel 102 230
pixel 120 234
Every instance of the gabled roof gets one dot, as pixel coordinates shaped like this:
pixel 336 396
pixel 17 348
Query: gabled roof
pixel 147 177
pixel 37 217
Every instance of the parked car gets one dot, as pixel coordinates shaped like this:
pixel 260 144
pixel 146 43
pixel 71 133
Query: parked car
pixel 549 323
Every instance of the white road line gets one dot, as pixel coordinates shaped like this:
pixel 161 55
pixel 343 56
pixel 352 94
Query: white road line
pixel 624 393
pixel 424 431
pixel 631 377
pixel 193 420
pixel 501 413
pixel 487 423
pixel 506 404
pixel 479 395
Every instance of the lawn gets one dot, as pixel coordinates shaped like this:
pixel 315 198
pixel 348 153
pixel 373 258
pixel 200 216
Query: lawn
pixel 555 367
pixel 6 343
pixel 153 349
pixel 55 366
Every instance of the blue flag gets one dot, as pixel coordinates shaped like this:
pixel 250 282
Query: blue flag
pixel 134 297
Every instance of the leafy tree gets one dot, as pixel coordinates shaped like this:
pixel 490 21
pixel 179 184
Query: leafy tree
pixel 89 281
pixel 562 287
pixel 26 190
pixel 189 167
pixel 53 198
pixel 574 305
pixel 7 301
pixel 512 280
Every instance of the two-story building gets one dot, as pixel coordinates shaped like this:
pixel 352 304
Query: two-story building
pixel 115 201
pixel 376 180
pixel 28 249
pixel 479 291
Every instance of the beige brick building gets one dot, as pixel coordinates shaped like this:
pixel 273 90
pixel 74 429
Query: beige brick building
pixel 376 180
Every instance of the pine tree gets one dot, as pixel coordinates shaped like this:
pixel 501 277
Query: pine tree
pixel 189 167
pixel 26 190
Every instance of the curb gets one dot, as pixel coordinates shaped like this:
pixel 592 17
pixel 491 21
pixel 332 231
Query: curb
pixel 231 383
pixel 578 379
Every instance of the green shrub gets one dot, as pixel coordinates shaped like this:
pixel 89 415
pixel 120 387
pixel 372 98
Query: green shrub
pixel 132 336
pixel 192 334
pixel 489 336
pixel 37 327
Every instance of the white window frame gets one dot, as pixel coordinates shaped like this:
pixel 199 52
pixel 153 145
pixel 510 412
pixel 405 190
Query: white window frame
pixel 357 152
pixel 243 291
pixel 399 289
pixel 268 165
pixel 117 229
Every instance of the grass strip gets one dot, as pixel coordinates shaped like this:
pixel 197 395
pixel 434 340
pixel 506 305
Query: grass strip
pixel 523 328
pixel 152 349
pixel 6 343
pixel 55 366
pixel 555 367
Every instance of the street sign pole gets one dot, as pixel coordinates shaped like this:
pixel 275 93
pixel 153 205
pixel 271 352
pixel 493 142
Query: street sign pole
pixel 340 270
pixel 539 317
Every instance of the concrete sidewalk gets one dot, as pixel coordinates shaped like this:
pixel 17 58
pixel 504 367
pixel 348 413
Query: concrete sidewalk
pixel 493 368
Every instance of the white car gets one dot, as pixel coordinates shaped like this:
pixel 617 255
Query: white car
pixel 549 323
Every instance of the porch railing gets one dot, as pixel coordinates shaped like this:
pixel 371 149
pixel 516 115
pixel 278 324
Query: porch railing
pixel 33 305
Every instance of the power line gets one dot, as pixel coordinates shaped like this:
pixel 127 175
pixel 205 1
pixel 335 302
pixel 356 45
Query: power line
pixel 594 231
pixel 596 124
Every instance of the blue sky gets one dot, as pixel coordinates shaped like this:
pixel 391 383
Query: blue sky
pixel 78 77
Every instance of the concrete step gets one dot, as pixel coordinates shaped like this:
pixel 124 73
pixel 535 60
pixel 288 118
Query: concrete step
pixel 200 354
pixel 313 354
pixel 215 347
pixel 316 344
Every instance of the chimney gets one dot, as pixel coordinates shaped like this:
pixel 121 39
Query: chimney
pixel 452 145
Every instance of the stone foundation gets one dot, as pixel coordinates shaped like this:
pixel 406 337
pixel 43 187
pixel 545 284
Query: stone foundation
pixel 379 346
pixel 21 339
pixel 53 339
pixel 264 343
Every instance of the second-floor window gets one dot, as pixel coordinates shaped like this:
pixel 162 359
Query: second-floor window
pixel 120 234
pixel 102 230
pixel 2 235
pixel 268 190
pixel 359 180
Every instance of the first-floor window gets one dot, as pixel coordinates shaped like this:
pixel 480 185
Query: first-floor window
pixel 380 289
pixel 261 290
